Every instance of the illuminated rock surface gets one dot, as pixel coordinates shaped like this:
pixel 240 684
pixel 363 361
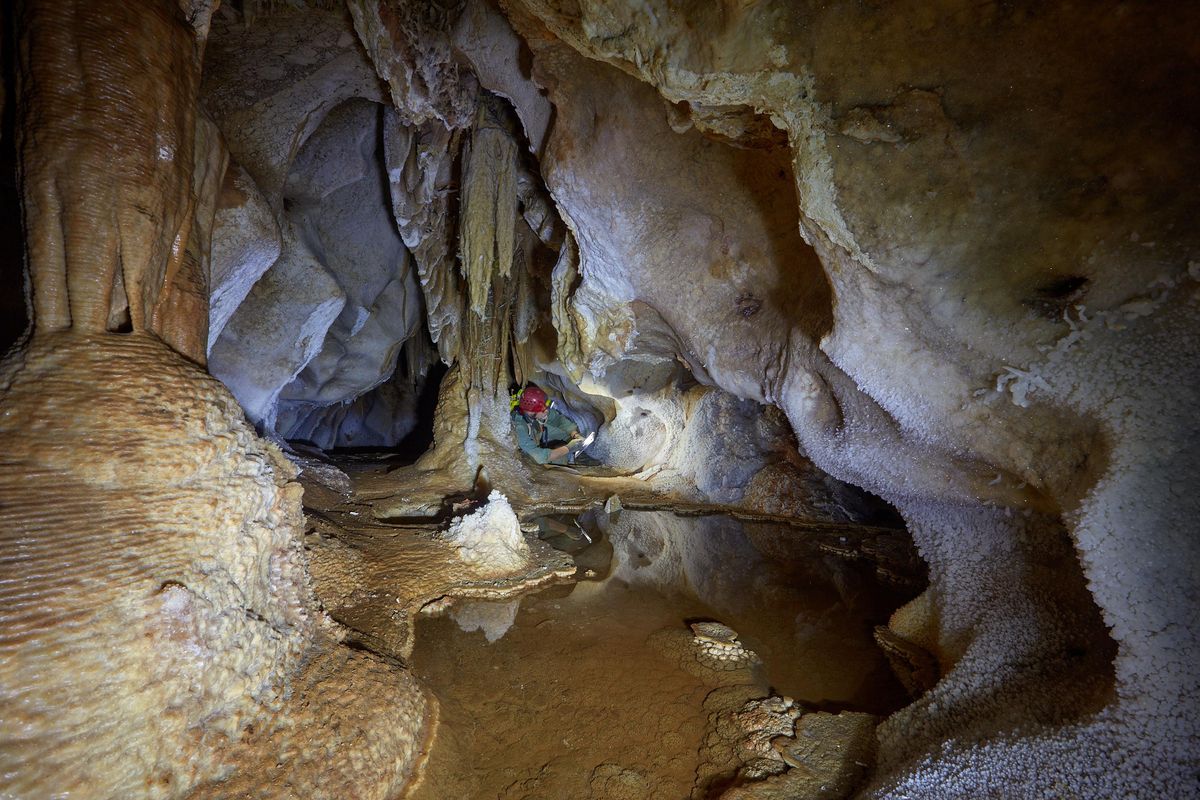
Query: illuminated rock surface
pixel 774 254
pixel 160 632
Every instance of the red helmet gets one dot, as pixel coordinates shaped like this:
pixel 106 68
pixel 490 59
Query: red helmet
pixel 533 401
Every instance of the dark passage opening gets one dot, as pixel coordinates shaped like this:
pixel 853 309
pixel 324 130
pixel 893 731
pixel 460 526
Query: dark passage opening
pixel 416 442
pixel 13 314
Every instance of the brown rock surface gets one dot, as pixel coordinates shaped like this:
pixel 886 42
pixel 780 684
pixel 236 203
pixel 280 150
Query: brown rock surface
pixel 158 628
pixel 106 175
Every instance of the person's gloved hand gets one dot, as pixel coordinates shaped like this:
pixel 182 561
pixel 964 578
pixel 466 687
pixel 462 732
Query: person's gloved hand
pixel 578 443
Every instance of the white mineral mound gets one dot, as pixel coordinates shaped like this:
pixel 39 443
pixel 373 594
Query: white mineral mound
pixel 490 539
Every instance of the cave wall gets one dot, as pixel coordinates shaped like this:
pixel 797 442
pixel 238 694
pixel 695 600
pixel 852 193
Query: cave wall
pixel 160 636
pixel 315 291
pixel 996 195
pixel 326 324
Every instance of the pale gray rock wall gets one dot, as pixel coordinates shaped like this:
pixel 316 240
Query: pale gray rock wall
pixel 268 85
pixel 346 297
pixel 279 328
pixel 306 220
pixel 337 192
pixel 245 243
pixel 997 196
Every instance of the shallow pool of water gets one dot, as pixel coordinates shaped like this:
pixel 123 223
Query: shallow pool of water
pixel 559 694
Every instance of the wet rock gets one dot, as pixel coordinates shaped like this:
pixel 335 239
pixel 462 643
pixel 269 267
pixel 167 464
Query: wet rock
pixel 711 653
pixel 828 757
pixel 717 647
pixel 613 782
pixel 915 666
pixel 771 747
pixel 375 579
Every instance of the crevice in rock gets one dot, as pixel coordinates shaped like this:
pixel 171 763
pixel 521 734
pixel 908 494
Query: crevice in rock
pixel 13 313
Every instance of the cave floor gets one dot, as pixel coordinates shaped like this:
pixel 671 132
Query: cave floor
pixel 550 684
pixel 575 699
pixel 569 702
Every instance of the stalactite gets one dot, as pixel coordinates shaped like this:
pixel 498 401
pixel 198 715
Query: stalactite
pixel 420 167
pixel 489 202
pixel 525 310
pixel 419 355
pixel 486 240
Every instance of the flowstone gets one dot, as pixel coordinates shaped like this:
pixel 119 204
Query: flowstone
pixel 760 745
pixel 376 579
pixel 717 647
pixel 719 663
pixel 179 549
pixel 827 757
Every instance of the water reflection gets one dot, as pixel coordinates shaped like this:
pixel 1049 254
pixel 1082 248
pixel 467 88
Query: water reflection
pixel 543 697
pixel 804 606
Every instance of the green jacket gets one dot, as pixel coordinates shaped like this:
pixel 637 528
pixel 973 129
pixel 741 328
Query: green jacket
pixel 538 440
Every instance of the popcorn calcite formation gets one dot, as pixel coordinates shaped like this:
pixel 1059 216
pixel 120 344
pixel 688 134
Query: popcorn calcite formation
pixel 158 629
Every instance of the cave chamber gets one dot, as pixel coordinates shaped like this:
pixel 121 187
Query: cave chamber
pixel 880 320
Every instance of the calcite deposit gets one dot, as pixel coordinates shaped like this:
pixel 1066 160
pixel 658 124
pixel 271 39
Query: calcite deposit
pixel 777 255
pixel 160 632
pixel 710 651
pixel 489 540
